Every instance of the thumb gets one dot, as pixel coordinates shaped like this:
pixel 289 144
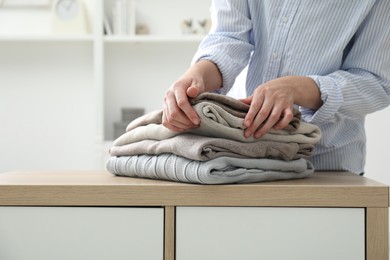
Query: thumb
pixel 194 90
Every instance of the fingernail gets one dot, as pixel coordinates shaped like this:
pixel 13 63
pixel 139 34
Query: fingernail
pixel 247 134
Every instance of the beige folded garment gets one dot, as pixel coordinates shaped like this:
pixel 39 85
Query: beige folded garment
pixel 202 148
pixel 230 105
pixel 215 122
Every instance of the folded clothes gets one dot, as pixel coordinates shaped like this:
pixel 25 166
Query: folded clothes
pixel 222 170
pixel 228 104
pixel 216 152
pixel 202 148
pixel 215 122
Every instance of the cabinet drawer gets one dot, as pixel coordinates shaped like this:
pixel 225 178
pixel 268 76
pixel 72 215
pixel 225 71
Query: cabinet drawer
pixel 270 233
pixel 64 233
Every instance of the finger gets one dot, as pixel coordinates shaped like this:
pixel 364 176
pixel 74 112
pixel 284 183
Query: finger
pixel 247 100
pixel 185 106
pixel 285 119
pixel 173 116
pixel 260 118
pixel 255 105
pixel 193 91
pixel 175 126
pixel 257 123
pixel 272 119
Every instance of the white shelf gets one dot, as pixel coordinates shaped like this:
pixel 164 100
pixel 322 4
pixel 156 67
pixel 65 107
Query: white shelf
pixel 47 38
pixel 152 38
pixel 103 74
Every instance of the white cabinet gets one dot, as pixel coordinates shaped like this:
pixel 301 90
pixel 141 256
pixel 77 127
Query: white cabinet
pixel 64 92
pixel 88 233
pixel 270 233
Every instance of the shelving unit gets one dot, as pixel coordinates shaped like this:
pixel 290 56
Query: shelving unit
pixel 153 38
pixel 47 38
pixel 67 90
pixel 135 66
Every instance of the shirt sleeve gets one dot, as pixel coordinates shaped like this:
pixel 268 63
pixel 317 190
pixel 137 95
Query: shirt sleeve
pixel 362 85
pixel 228 42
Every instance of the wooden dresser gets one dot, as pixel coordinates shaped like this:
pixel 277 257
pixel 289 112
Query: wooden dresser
pixel 95 215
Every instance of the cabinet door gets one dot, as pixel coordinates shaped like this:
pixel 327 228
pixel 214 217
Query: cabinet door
pixel 87 233
pixel 269 233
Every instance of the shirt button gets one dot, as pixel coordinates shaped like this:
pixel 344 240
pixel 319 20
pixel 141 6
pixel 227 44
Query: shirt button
pixel 285 19
pixel 274 55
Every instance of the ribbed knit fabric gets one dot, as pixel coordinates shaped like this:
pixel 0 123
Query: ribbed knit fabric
pixel 222 170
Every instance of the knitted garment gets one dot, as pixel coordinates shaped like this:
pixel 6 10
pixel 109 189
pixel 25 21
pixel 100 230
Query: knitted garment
pixel 230 105
pixel 215 122
pixel 203 148
pixel 222 170
pixel 216 152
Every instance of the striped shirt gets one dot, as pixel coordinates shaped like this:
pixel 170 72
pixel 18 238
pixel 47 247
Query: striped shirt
pixel 343 45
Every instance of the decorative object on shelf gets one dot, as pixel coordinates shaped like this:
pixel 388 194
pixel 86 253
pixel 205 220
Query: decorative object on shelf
pixel 107 26
pixel 68 16
pixel 186 26
pixel 205 25
pixel 131 8
pixel 123 18
pixel 128 115
pixel 119 17
pixel 142 29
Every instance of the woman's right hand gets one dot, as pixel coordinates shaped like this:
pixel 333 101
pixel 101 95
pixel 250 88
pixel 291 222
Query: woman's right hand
pixel 178 114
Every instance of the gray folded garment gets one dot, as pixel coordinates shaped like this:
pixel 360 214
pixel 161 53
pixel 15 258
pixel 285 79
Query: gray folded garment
pixel 222 170
pixel 215 122
pixel 202 148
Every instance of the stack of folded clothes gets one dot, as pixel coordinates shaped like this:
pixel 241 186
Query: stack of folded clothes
pixel 216 152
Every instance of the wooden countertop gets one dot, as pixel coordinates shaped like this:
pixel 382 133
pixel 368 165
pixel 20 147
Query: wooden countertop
pixel 100 188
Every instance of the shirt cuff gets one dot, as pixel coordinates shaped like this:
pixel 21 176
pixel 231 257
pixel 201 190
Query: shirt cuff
pixel 225 65
pixel 332 98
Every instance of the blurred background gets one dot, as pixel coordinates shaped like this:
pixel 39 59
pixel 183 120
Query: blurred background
pixel 73 73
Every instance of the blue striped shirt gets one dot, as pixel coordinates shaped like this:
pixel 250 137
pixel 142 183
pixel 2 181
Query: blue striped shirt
pixel 343 45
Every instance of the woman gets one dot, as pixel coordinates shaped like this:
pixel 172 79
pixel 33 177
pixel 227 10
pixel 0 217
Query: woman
pixel 329 58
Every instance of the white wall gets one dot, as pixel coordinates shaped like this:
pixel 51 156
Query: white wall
pixel 378 145
pixel 48 101
pixel 138 75
pixel 47 106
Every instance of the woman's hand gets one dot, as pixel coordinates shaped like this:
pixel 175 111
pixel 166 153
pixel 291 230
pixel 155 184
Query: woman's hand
pixel 178 114
pixel 271 105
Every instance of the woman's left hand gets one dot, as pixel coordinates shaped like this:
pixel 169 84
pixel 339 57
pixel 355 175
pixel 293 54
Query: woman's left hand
pixel 271 105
